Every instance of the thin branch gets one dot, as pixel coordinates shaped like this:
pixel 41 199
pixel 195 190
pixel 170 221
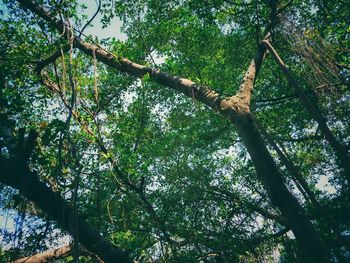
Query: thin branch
pixel 91 19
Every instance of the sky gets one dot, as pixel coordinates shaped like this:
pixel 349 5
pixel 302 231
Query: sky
pixel 113 30
pixel 95 28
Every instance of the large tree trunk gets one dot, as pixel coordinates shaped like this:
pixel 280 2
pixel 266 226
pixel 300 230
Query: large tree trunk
pixel 310 245
pixel 339 149
pixel 237 109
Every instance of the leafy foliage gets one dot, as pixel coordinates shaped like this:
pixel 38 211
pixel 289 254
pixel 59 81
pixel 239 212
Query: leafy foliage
pixel 187 190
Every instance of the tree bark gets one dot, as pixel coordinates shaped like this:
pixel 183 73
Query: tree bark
pixel 47 256
pixel 340 150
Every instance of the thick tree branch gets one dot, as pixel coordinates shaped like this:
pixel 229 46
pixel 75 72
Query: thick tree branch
pixel 47 256
pixel 227 106
pixel 51 59
pixel 241 101
pixel 185 86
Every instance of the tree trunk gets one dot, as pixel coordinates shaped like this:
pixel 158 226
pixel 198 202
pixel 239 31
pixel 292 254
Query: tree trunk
pixel 310 245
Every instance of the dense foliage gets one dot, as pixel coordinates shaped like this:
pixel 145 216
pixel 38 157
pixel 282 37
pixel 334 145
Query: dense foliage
pixel 160 174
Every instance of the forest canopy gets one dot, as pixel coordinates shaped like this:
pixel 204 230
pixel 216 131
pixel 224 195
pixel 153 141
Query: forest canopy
pixel 195 131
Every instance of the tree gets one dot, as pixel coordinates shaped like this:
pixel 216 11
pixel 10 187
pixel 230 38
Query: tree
pixel 176 181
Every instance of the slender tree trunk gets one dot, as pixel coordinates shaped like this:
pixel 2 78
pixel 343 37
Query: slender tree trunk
pixel 339 149
pixel 293 171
